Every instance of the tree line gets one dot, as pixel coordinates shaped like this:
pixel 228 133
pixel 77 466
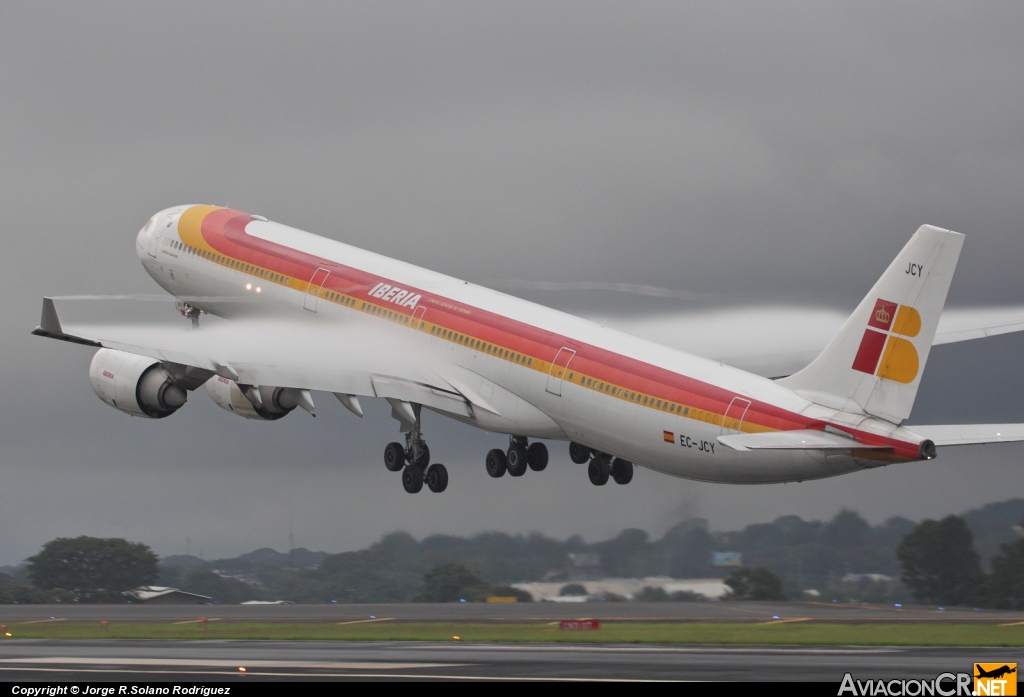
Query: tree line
pixel 935 562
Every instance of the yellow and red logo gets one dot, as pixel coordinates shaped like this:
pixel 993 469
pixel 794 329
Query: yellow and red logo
pixel 995 679
pixel 884 351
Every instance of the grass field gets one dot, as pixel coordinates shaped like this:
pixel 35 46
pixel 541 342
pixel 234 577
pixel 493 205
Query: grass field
pixel 808 633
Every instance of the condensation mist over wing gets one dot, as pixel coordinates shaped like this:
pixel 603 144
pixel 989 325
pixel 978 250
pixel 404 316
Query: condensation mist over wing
pixel 773 341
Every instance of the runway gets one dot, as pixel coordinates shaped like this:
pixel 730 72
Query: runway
pixel 510 612
pixel 207 661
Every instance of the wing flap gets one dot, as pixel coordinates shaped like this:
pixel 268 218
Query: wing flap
pixel 793 440
pixel 435 398
pixel 970 434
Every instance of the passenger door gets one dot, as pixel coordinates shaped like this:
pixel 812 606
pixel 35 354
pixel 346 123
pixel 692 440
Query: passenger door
pixel 316 284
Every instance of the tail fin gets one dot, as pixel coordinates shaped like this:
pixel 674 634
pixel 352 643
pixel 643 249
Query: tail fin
pixel 875 363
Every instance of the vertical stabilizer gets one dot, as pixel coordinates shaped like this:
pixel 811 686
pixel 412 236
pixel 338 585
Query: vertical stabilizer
pixel 875 363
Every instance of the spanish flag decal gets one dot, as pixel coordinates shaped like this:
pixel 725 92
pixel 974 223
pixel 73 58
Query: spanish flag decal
pixel 668 436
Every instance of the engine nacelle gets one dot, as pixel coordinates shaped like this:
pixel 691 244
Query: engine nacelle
pixel 135 384
pixel 275 401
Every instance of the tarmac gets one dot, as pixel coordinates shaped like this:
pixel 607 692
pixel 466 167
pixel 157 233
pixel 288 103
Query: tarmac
pixel 34 660
pixel 211 661
pixel 512 612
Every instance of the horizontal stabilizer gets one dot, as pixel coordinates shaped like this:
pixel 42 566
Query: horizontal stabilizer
pixel 794 440
pixel 970 434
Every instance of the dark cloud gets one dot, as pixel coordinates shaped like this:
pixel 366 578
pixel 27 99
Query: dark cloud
pixel 736 151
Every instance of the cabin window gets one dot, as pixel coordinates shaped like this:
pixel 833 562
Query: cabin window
pixel 529 362
pixel 645 400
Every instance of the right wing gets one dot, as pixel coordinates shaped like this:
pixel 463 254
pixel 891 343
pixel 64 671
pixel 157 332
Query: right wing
pixel 776 341
pixel 970 434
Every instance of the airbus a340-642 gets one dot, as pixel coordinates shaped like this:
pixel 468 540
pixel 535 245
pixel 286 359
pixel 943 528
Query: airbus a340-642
pixel 305 313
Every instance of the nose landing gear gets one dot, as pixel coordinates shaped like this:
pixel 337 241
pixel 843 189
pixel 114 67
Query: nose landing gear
pixel 413 460
pixel 601 465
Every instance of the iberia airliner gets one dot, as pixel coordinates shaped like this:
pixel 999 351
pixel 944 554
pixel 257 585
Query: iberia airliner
pixel 305 313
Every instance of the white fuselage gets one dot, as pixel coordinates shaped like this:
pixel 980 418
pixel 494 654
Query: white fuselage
pixel 528 370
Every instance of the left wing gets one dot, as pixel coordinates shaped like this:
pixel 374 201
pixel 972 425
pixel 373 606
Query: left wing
pixel 361 357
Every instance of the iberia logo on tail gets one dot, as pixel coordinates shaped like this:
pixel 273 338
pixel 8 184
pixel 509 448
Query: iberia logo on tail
pixel 884 351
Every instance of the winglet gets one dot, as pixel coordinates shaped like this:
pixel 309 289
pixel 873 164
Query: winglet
pixel 49 326
pixel 49 322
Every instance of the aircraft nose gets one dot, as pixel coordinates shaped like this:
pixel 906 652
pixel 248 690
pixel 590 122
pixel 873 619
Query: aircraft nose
pixel 144 237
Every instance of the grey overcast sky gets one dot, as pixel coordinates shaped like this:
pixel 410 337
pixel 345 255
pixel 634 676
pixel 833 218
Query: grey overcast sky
pixel 743 152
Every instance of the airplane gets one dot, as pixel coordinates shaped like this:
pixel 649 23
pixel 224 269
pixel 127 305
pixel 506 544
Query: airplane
pixel 300 313
pixel 996 672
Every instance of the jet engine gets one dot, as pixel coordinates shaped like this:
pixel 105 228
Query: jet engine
pixel 263 403
pixel 135 384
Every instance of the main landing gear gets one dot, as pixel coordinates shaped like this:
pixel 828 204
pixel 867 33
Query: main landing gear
pixel 601 465
pixel 518 458
pixel 413 460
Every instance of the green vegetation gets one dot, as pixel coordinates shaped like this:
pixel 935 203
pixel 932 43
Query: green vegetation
pixel 754 584
pixel 94 569
pixel 880 634
pixel 1006 585
pixel 456 582
pixel 843 559
pixel 939 562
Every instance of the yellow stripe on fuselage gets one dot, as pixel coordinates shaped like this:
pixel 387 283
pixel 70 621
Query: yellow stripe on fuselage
pixel 190 227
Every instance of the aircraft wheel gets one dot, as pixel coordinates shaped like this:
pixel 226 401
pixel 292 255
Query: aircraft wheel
pixel 394 457
pixel 517 459
pixel 424 459
pixel 537 456
pixel 436 478
pixel 622 471
pixel 496 463
pixel 579 454
pixel 598 471
pixel 412 478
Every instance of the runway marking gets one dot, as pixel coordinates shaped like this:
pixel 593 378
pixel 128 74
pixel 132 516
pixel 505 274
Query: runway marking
pixel 795 619
pixel 1011 624
pixel 421 676
pixel 381 619
pixel 52 619
pixel 548 648
pixel 201 620
pixel 223 663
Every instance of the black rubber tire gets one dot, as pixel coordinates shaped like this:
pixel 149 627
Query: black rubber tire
pixel 517 459
pixel 537 457
pixel 598 471
pixel 394 457
pixel 496 463
pixel 580 454
pixel 622 471
pixel 436 478
pixel 412 479
pixel 424 459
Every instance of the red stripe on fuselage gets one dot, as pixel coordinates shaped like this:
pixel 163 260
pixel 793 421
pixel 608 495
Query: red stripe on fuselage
pixel 224 230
